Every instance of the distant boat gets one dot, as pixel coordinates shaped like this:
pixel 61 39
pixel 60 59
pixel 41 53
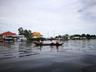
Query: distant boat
pixel 47 44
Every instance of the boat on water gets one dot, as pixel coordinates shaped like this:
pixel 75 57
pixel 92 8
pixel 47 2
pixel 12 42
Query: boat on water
pixel 48 44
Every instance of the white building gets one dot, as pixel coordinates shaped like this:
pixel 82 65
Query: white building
pixel 21 38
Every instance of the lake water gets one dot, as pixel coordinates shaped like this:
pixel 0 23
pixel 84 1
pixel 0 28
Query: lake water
pixel 73 56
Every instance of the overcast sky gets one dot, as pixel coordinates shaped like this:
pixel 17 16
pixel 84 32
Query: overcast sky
pixel 50 17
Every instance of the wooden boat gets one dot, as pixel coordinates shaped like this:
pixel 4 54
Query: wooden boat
pixel 1 40
pixel 48 44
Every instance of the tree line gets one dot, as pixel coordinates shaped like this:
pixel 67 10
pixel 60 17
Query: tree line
pixel 76 36
pixel 29 37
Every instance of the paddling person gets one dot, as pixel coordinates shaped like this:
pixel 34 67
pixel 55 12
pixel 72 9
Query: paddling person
pixel 40 45
pixel 40 42
pixel 57 45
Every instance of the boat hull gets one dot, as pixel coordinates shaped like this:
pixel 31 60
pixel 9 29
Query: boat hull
pixel 48 44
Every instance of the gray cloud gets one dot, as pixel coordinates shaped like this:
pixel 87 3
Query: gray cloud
pixel 48 16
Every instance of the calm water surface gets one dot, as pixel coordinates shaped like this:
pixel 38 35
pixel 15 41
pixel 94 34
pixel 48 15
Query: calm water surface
pixel 78 55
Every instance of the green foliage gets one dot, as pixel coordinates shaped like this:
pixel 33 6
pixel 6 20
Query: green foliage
pixel 26 33
pixel 76 37
pixel 21 31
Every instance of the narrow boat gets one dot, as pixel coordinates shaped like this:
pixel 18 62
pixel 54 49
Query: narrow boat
pixel 48 44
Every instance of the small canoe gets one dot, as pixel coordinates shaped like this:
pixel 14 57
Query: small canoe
pixel 48 44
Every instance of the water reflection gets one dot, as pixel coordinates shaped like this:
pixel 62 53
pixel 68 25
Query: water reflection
pixel 24 49
pixel 6 44
pixel 51 48
pixel 6 50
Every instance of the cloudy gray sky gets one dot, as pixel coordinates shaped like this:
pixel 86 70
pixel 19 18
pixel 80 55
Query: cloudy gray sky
pixel 50 17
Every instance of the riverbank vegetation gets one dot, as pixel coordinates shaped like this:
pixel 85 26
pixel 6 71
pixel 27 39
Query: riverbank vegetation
pixel 28 35
pixel 76 37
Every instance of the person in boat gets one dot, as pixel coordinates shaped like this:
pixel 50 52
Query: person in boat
pixel 57 45
pixel 40 42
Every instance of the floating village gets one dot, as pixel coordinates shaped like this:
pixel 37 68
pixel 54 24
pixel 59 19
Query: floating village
pixel 38 39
